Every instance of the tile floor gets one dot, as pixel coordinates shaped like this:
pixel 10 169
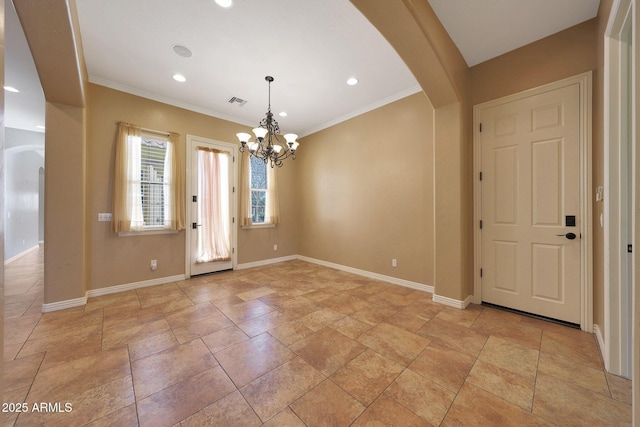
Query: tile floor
pixel 295 344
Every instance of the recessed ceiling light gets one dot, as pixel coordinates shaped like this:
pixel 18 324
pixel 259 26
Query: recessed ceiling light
pixel 179 78
pixel 283 114
pixel 225 3
pixel 352 81
pixel 11 89
pixel 181 51
pixel 39 127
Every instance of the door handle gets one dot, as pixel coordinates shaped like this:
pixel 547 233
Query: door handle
pixel 569 236
pixel 195 226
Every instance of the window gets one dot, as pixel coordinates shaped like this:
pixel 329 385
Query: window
pixel 148 189
pixel 154 181
pixel 259 204
pixel 258 190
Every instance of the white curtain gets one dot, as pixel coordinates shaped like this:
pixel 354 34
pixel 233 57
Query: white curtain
pixel 127 198
pixel 134 179
pixel 214 234
pixel 272 208
pixel 166 187
pixel 175 200
pixel 245 190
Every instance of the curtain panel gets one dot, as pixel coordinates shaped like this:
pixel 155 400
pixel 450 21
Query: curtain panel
pixel 177 190
pixel 272 209
pixel 126 189
pixel 214 236
pixel 245 190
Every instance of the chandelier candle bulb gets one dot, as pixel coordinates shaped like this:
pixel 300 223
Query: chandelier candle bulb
pixel 291 141
pixel 260 133
pixel 243 137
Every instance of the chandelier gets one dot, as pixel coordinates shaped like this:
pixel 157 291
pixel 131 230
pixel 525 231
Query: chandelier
pixel 268 145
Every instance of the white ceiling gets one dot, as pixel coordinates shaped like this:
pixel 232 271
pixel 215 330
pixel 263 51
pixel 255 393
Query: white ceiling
pixel 310 47
pixel 484 29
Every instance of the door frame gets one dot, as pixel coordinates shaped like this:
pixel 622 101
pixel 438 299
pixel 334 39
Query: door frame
pixel 192 142
pixel 586 243
pixel 617 345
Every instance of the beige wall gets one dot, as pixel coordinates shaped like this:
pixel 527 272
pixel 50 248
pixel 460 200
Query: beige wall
pixel 560 55
pixel 415 32
pixel 50 28
pixel 65 216
pixel 115 260
pixel 366 191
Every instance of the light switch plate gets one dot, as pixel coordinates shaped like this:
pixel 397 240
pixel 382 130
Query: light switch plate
pixel 599 193
pixel 104 217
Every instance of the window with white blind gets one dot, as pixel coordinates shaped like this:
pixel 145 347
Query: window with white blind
pixel 259 204
pixel 258 190
pixel 154 182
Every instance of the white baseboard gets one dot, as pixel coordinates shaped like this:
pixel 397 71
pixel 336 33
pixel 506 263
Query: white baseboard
pixel 21 254
pixel 369 274
pixel 265 262
pixel 453 302
pixel 134 285
pixel 603 350
pixel 62 305
pixel 77 302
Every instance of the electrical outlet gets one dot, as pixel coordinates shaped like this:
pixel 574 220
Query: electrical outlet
pixel 154 264
pixel 394 262
pixel 275 247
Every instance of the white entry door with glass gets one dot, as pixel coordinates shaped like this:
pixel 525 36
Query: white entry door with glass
pixel 211 205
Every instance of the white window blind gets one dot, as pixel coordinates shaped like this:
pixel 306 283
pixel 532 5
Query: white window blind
pixel 258 190
pixel 154 183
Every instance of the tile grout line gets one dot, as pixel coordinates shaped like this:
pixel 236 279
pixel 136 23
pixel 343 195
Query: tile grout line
pixel 133 385
pixel 475 360
pixel 535 379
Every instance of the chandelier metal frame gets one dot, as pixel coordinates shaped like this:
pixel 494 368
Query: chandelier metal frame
pixel 269 146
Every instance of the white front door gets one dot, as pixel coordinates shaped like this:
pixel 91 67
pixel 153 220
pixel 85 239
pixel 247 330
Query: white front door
pixel 211 200
pixel 530 209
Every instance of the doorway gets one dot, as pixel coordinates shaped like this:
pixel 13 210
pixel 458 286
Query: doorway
pixel 211 206
pixel 532 205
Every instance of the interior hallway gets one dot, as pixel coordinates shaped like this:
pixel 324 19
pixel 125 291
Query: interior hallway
pixel 295 344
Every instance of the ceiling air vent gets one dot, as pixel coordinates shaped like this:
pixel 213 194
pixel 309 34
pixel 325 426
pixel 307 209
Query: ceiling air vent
pixel 236 100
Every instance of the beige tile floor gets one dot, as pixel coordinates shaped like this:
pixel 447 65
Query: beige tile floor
pixel 295 344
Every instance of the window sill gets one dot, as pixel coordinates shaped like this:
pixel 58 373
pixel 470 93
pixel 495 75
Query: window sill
pixel 147 232
pixel 249 227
